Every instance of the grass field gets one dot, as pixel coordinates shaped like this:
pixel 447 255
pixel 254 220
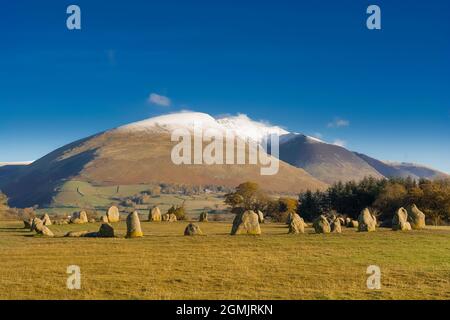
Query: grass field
pixel 78 195
pixel 167 265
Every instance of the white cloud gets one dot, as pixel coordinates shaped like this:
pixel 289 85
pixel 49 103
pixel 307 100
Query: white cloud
pixel 338 123
pixel 159 100
pixel 339 142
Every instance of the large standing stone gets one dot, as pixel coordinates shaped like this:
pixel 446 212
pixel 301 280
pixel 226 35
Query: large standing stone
pixel 336 226
pixel 416 217
pixel 246 223
pixel 260 216
pixel 321 225
pixel 113 214
pixel 106 231
pixel 367 222
pixel 297 225
pixel 134 226
pixel 192 230
pixel 400 220
pixel 46 220
pixel 154 215
pixel 79 218
pixel 203 217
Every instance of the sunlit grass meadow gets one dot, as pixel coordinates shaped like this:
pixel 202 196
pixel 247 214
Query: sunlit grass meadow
pixel 167 265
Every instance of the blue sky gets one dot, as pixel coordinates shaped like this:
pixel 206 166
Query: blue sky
pixel 302 65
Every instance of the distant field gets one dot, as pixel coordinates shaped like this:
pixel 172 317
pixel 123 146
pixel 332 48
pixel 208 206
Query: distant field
pixel 76 195
pixel 167 265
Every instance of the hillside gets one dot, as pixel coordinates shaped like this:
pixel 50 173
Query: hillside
pixel 326 162
pixel 402 170
pixel 137 154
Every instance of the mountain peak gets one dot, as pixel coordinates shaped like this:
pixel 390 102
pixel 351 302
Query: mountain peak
pixel 172 121
pixel 241 125
pixel 245 127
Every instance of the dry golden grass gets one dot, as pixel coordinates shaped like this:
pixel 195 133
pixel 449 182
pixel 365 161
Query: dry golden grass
pixel 167 265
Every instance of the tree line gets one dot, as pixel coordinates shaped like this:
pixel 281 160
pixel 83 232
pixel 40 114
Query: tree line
pixel 382 196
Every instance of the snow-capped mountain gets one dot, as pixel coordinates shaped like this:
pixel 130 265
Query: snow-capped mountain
pixel 139 153
pixel 241 125
pixel 326 161
pixel 172 121
pixel 245 127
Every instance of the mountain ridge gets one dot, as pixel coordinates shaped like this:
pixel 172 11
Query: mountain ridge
pixel 139 153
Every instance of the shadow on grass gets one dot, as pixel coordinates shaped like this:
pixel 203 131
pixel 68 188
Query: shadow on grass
pixel 14 229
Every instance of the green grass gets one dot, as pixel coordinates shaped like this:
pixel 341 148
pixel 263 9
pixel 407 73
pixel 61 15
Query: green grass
pixel 78 195
pixel 167 265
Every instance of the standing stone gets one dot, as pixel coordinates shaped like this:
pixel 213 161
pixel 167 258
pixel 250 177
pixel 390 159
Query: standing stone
pixel 134 226
pixel 41 229
pixel 331 218
pixel 246 223
pixel 34 222
pixel 79 218
pixel 106 231
pixel 154 215
pixel 203 217
pixel 172 217
pixel 416 218
pixel 367 222
pixel 165 217
pixel 92 220
pixel 104 219
pixel 46 220
pixel 290 217
pixel 336 226
pixel 113 214
pixel 400 220
pixel 321 225
pixel 192 230
pixel 297 225
pixel 342 221
pixel 260 217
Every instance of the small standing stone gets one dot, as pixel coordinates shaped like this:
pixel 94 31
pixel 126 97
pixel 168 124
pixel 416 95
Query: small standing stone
pixel 154 215
pixel 336 226
pixel 113 214
pixel 367 222
pixel 192 230
pixel 246 223
pixel 297 225
pixel 321 225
